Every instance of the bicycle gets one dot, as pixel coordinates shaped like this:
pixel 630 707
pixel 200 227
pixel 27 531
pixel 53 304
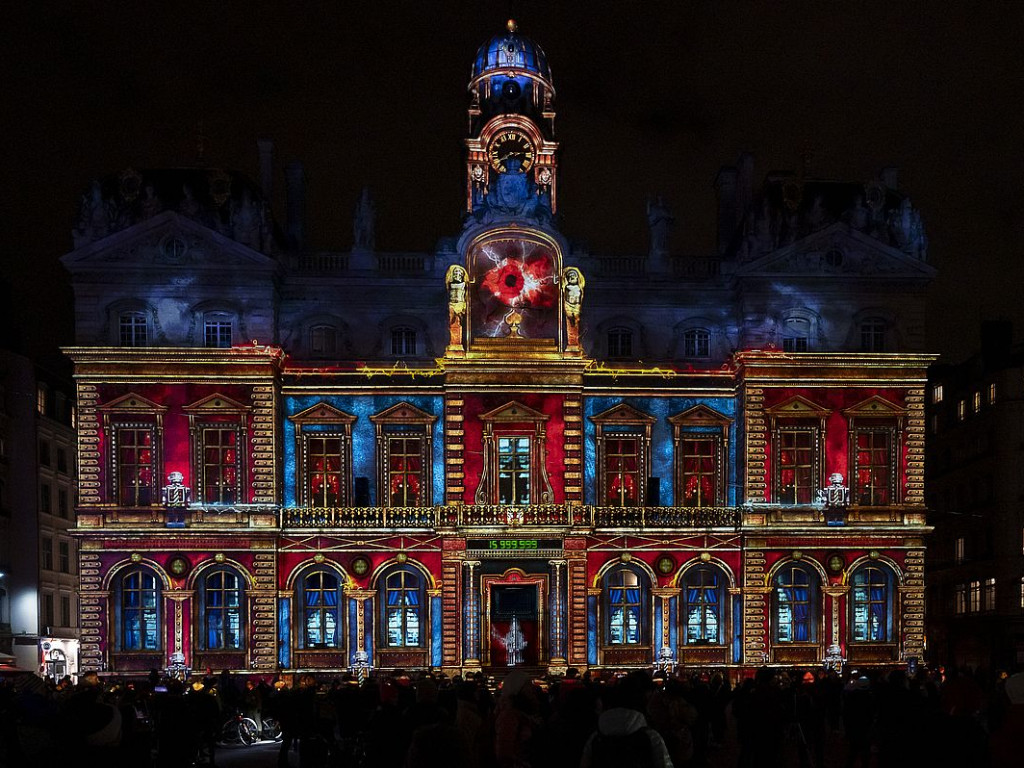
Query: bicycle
pixel 239 729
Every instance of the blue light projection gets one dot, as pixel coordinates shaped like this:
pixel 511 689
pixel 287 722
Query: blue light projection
pixel 436 638
pixel 662 459
pixel 364 437
pixel 284 632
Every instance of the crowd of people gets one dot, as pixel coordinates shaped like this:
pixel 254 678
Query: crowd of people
pixel 634 719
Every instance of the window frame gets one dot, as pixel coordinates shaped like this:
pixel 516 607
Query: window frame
pixel 514 420
pixel 798 415
pixel 404 421
pixel 322 421
pixel 217 412
pixel 133 328
pixel 719 609
pixel 218 321
pixel 813 603
pixel 700 423
pixel 400 341
pixel 641 607
pixel 619 342
pixel 869 601
pixel 151 615
pixel 697 343
pixel 132 412
pixel 318 347
pixel 302 614
pixel 879 416
pixel 384 592
pixel 221 615
pixel 616 423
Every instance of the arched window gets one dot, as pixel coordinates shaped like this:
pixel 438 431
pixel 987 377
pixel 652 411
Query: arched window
pixel 402 603
pixel 871 604
pixel 620 342
pixel 625 598
pixel 796 597
pixel 796 333
pixel 222 622
pixel 133 329
pixel 323 341
pixel 140 610
pixel 320 597
pixel 696 343
pixel 403 341
pixel 702 606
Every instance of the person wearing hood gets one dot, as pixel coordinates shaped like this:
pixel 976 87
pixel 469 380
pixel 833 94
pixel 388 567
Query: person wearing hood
pixel 517 723
pixel 623 739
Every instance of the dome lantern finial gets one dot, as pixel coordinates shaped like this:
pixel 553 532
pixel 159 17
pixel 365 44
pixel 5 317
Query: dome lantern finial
pixel 512 26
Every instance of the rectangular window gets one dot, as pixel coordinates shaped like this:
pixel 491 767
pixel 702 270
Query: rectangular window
pixel 45 498
pixel 959 547
pixel 960 599
pixel 135 466
pixel 64 556
pixel 622 471
pixel 696 343
pixel 961 410
pixel 620 343
pixel 41 397
pixel 977 402
pixel 794 344
pixel 872 336
pixel 405 470
pixel 65 610
pixel 220 468
pixel 217 332
pixel 403 342
pixel 62 460
pixel 934 424
pixel 988 597
pixel 44 453
pixel 46 561
pixel 936 393
pixel 48 611
pixel 974 596
pixel 325 471
pixel 133 329
pixel 873 467
pixel 323 341
pixel 1022 593
pixel 63 509
pixel 700 470
pixel 513 470
pixel 991 393
pixel 796 465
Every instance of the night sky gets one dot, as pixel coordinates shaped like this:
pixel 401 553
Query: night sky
pixel 652 98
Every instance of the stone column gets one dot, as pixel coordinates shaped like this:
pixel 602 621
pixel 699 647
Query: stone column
pixel 471 613
pixel 362 650
pixel 756 604
pixel 911 608
pixel 179 602
pixel 558 613
pixel 666 597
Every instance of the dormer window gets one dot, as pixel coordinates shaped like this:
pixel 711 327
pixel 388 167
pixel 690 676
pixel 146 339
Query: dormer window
pixel 217 330
pixel 872 335
pixel 796 334
pixel 323 341
pixel 620 343
pixel 403 341
pixel 134 330
pixel 696 343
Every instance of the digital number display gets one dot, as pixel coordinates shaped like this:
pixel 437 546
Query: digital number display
pixel 513 545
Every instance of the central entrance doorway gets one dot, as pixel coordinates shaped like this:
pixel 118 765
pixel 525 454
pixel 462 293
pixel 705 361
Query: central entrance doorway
pixel 515 619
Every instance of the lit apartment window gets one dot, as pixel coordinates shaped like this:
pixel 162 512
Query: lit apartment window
pixel 961 410
pixel 991 393
pixel 936 393
pixel 977 401
pixel 958 550
pixel 974 596
pixel 1022 593
pixel 41 399
pixel 988 597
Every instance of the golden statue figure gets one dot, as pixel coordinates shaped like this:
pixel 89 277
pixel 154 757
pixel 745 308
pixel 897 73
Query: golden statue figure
pixel 573 284
pixel 455 283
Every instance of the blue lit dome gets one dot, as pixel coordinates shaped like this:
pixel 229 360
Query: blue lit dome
pixel 511 51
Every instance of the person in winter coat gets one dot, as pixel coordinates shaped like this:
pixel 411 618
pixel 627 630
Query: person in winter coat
pixel 624 740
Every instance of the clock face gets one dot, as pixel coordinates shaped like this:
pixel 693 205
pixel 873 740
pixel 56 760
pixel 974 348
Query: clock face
pixel 508 145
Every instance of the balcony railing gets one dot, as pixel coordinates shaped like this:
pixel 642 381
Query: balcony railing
pixel 533 515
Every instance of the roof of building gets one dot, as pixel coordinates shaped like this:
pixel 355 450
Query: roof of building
pixel 509 50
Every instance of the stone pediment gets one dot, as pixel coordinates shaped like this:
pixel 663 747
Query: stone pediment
pixel 797 407
pixel 875 407
pixel 699 416
pixel 403 413
pixel 215 403
pixel 512 412
pixel 322 413
pixel 132 403
pixel 167 241
pixel 623 413
pixel 837 250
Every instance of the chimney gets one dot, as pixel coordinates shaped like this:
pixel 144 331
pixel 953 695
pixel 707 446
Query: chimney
pixel 890 177
pixel 266 147
pixel 295 187
pixel 725 187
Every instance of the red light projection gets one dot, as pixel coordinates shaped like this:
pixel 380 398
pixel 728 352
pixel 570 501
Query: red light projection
pixel 516 291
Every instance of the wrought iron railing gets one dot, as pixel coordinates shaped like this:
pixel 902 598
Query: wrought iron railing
pixel 359 517
pixel 666 517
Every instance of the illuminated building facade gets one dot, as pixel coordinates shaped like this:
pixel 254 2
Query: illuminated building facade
pixel 507 450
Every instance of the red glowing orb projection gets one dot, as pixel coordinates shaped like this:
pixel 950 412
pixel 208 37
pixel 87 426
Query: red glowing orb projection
pixel 514 274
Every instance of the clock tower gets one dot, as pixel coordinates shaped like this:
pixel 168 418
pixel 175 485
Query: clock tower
pixel 511 119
